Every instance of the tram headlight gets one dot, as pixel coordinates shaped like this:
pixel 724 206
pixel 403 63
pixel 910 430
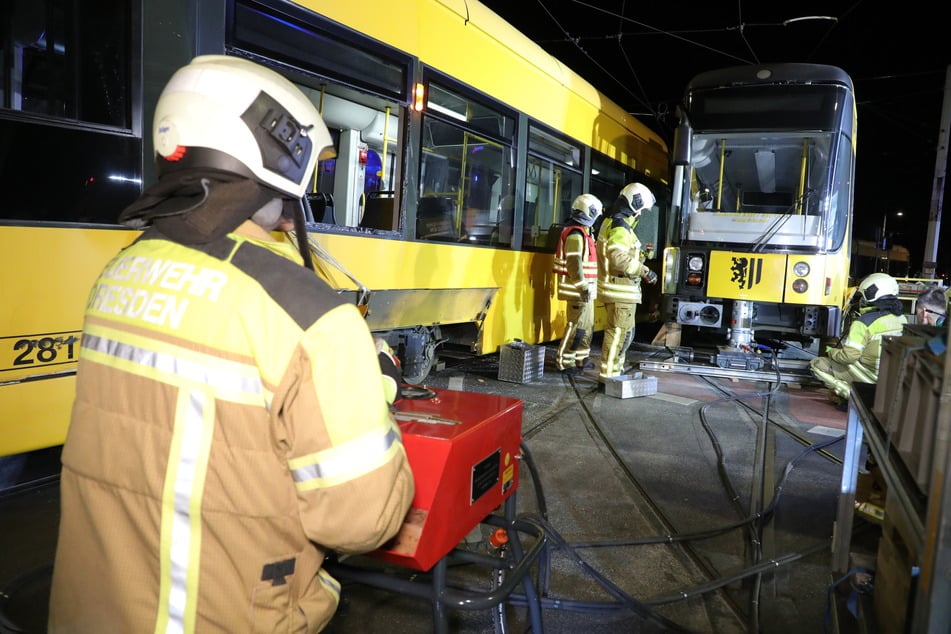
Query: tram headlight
pixel 696 264
pixel 800 286
pixel 800 269
pixel 671 269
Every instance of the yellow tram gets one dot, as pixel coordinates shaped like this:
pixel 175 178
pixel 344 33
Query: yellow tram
pixel 761 214
pixel 460 146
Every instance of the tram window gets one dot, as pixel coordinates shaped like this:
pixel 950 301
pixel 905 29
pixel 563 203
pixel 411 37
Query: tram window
pixel 470 176
pixel 336 53
pixel 763 174
pixel 470 112
pixel 608 177
pixel 553 180
pixel 467 168
pixel 64 64
pixel 366 135
pixel 66 61
pixel 100 178
pixel 841 195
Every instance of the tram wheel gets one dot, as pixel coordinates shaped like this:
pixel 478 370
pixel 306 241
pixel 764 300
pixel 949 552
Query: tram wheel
pixel 423 365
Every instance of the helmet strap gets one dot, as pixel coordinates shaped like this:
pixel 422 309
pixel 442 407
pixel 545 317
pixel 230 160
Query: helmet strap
pixel 295 209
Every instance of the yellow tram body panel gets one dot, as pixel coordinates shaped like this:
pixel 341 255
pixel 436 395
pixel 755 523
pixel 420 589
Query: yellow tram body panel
pixel 511 290
pixel 40 322
pixel 523 299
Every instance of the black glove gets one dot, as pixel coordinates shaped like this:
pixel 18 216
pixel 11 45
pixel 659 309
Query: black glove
pixel 651 277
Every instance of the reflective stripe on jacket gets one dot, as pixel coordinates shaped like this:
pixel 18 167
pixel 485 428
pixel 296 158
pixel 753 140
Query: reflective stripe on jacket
pixel 861 349
pixel 576 263
pixel 229 427
pixel 620 265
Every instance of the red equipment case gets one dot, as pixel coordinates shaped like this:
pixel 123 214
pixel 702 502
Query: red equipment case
pixel 464 449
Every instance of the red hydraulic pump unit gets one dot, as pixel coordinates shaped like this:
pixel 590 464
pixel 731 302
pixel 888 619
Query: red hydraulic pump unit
pixel 463 448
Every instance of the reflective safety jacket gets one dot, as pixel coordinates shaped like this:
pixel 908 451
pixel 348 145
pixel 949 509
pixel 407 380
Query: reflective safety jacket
pixel 576 263
pixel 620 261
pixel 861 350
pixel 229 428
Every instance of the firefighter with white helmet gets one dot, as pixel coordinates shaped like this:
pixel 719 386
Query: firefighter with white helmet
pixel 857 357
pixel 621 267
pixel 576 272
pixel 230 425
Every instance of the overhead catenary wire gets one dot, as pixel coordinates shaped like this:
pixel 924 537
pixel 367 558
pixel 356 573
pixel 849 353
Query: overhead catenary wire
pixel 658 108
pixel 638 98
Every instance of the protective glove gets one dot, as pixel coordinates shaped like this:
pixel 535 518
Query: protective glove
pixel 585 294
pixel 650 277
pixel 391 369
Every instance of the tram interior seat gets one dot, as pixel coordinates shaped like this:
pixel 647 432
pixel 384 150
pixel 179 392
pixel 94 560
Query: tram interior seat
pixel 380 211
pixel 435 219
pixel 321 207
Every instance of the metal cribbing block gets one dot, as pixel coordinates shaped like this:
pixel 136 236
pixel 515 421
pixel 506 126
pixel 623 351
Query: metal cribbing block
pixel 520 362
pixel 630 385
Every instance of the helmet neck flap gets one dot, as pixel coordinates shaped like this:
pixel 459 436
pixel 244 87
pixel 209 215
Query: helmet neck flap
pixel 197 206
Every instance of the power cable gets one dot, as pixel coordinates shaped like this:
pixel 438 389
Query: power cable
pixel 638 607
pixel 657 513
pixel 625 601
pixel 756 518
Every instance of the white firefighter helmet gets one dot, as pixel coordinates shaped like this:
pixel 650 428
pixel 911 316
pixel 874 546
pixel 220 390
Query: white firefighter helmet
pixel 232 115
pixel 638 196
pixel 585 209
pixel 876 286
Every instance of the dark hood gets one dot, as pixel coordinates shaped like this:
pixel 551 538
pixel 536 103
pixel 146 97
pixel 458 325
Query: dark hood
pixel 197 206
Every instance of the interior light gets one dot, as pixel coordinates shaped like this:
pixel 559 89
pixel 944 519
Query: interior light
pixel 435 107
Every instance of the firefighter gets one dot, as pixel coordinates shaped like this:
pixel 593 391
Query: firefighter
pixel 931 307
pixel 230 425
pixel 621 268
pixel 857 357
pixel 576 271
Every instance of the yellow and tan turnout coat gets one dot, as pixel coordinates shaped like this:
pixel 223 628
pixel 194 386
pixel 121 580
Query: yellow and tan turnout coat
pixel 229 427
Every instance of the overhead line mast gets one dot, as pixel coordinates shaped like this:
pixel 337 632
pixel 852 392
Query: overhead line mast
pixel 937 191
